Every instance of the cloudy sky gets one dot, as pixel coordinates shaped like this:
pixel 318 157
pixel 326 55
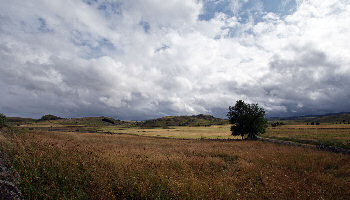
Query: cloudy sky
pixel 141 59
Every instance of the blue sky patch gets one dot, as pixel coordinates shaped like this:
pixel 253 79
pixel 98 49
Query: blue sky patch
pixel 247 11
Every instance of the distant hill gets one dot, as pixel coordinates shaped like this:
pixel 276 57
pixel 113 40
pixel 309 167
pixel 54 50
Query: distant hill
pixel 326 118
pixel 194 120
pixel 331 118
pixel 20 120
pixel 93 121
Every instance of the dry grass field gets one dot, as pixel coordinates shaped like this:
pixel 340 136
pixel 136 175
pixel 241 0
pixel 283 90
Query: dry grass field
pixel 327 134
pixel 186 132
pixel 71 165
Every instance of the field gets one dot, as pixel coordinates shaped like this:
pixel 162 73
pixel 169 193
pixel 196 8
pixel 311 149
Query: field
pixel 76 165
pixel 180 132
pixel 328 134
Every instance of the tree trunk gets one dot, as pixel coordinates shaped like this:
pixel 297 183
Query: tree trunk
pixel 251 136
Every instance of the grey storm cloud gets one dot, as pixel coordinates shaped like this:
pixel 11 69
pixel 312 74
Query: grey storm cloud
pixel 143 59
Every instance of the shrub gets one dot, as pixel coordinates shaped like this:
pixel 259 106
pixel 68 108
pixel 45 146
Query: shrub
pixel 3 120
pixel 108 120
pixel 49 117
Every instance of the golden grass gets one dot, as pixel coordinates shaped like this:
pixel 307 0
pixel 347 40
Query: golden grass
pixel 212 132
pixel 57 165
pixel 329 134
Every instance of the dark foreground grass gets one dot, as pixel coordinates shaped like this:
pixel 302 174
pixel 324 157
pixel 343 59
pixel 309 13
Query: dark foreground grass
pixel 55 165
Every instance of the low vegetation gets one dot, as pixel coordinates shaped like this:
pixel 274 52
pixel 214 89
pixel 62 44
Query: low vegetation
pixel 70 165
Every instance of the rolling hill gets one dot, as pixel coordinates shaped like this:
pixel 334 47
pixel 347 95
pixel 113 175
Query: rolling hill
pixel 342 117
pixel 194 120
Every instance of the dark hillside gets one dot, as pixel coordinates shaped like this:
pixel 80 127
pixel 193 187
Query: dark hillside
pixel 20 120
pixel 194 120
pixel 343 117
pixel 332 118
pixel 93 121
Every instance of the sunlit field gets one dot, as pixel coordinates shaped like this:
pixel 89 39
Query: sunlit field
pixel 70 165
pixel 185 132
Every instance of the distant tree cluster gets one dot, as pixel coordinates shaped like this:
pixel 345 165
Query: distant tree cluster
pixel 247 119
pixel 49 117
pixel 3 120
pixel 314 123
pixel 108 120
pixel 274 124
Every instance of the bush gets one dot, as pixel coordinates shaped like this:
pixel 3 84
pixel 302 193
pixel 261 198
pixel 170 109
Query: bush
pixel 49 117
pixel 275 124
pixel 3 120
pixel 108 120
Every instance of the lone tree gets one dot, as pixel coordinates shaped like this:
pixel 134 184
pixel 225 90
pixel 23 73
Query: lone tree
pixel 247 119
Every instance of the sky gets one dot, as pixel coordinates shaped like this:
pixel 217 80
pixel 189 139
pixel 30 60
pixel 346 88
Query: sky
pixel 142 59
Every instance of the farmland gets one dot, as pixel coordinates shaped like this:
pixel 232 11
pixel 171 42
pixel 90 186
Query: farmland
pixel 328 134
pixel 97 160
pixel 179 132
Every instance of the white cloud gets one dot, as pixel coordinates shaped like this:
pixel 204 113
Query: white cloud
pixel 145 59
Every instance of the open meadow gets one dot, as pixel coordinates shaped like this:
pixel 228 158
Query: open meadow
pixel 78 165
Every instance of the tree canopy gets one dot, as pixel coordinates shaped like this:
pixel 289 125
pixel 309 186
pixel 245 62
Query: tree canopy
pixel 49 117
pixel 247 119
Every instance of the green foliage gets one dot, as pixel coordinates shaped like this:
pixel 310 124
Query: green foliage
pixel 49 117
pixel 275 124
pixel 108 120
pixel 315 123
pixel 247 119
pixel 3 120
